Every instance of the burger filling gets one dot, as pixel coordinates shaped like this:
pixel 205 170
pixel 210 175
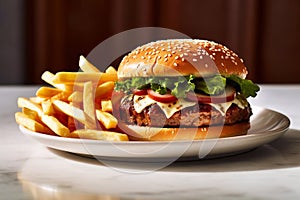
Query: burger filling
pixel 185 101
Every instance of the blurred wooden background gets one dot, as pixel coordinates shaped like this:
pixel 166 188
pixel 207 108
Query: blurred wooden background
pixel 265 33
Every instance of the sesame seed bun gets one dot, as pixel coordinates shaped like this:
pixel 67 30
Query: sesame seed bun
pixel 181 57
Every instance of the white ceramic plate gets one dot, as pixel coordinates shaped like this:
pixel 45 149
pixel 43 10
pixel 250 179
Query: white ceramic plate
pixel 266 126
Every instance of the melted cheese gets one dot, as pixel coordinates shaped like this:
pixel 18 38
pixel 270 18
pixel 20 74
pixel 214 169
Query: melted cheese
pixel 143 101
pixel 171 108
pixel 223 107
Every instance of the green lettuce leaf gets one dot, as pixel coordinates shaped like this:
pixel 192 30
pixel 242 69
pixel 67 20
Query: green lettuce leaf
pixel 179 86
pixel 246 87
pixel 213 85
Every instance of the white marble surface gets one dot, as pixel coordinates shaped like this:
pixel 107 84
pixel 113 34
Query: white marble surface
pixel 29 170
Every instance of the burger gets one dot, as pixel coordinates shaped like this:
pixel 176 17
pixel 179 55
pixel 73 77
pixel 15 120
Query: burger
pixel 182 89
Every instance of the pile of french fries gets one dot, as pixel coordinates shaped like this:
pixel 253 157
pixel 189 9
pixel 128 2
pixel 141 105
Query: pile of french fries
pixel 76 105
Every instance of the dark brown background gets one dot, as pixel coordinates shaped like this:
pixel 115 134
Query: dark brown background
pixel 265 33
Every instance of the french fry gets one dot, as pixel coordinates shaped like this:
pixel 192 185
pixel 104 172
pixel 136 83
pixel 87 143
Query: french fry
pixel 37 100
pixel 72 77
pixel 106 105
pixel 99 135
pixel 29 123
pixel 63 96
pixel 25 103
pixel 55 125
pixel 30 113
pixel 73 104
pixel 111 70
pixel 73 111
pixel 107 119
pixel 86 66
pixel 48 76
pixel 47 92
pixel 70 86
pixel 76 97
pixel 88 104
pixel 47 107
pixel 105 89
pixel 71 124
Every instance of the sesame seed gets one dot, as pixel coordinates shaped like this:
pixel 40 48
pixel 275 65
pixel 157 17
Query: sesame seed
pixel 181 55
pixel 176 57
pixel 166 59
pixel 133 57
pixel 182 59
pixel 194 59
pixel 242 60
pixel 166 55
pixel 175 64
pixel 159 57
pixel 194 54
pixel 201 57
pixel 143 57
pixel 170 55
pixel 186 54
pixel 222 64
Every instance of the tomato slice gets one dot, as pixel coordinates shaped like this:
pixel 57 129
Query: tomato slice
pixel 228 95
pixel 164 98
pixel 139 92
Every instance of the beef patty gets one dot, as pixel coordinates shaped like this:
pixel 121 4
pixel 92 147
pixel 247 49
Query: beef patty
pixel 194 116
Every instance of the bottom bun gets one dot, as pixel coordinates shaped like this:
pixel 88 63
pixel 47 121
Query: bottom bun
pixel 144 133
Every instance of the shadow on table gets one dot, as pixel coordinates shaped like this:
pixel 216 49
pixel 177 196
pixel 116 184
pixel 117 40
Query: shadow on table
pixel 282 153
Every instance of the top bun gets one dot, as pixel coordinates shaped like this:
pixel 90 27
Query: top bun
pixel 181 57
